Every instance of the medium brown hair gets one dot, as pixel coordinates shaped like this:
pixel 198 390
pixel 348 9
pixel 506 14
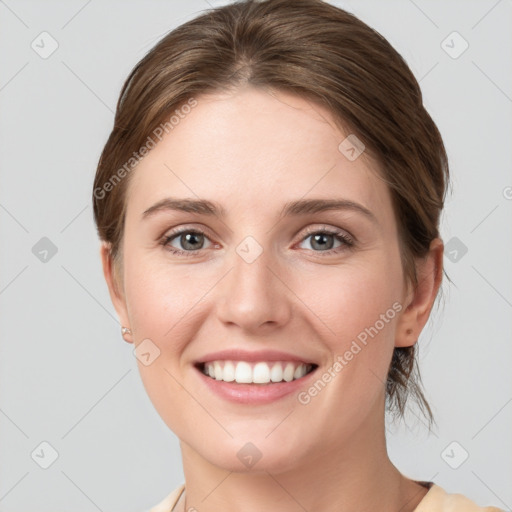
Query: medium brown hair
pixel 320 52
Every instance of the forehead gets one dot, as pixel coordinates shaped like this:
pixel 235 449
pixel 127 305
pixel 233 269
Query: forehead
pixel 258 149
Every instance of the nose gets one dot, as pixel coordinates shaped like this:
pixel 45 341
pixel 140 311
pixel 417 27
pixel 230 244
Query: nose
pixel 254 295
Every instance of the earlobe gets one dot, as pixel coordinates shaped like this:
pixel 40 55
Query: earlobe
pixel 115 291
pixel 420 300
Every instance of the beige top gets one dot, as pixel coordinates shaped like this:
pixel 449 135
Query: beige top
pixel 436 500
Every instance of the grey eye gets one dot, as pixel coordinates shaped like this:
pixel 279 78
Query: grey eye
pixel 321 241
pixel 187 241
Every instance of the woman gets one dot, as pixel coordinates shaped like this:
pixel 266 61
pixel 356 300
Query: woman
pixel 269 203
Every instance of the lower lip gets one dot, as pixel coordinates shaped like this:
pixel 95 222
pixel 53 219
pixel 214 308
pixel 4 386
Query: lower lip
pixel 254 393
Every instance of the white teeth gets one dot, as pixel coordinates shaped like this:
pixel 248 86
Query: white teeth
pixel 288 372
pixel 300 371
pixel 257 373
pixel 276 374
pixel 261 373
pixel 243 373
pixel 217 370
pixel 229 372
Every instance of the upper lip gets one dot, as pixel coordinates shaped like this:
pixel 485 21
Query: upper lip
pixel 245 355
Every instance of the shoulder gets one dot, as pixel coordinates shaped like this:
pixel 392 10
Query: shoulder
pixel 438 500
pixel 168 503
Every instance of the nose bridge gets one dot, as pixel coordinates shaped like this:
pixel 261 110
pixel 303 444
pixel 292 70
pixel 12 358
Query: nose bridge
pixel 251 295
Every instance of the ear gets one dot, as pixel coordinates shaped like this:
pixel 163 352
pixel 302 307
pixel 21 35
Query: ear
pixel 114 288
pixel 419 301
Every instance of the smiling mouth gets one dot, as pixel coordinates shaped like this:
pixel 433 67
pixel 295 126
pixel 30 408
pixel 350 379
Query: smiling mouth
pixel 263 372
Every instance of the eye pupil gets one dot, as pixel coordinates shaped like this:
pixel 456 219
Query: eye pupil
pixel 320 238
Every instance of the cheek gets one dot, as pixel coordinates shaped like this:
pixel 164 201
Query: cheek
pixel 155 285
pixel 360 306
pixel 161 301
pixel 353 298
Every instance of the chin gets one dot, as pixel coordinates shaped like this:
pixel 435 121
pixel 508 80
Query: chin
pixel 251 456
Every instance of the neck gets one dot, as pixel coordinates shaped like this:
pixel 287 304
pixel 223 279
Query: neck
pixel 355 475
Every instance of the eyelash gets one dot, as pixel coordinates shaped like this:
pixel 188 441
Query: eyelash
pixel 347 241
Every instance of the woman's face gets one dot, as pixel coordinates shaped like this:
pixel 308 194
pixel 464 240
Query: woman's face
pixel 271 276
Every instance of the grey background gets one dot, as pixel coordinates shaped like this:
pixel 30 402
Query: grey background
pixel 66 376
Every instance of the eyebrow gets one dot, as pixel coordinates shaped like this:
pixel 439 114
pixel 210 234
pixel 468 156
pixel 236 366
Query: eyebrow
pixel 299 207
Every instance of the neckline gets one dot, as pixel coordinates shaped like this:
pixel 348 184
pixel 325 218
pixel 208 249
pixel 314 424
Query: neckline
pixel 179 504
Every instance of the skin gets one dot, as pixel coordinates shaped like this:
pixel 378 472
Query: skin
pixel 252 151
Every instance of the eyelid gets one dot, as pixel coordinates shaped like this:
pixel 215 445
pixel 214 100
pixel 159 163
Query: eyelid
pixel 201 228
pixel 324 228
